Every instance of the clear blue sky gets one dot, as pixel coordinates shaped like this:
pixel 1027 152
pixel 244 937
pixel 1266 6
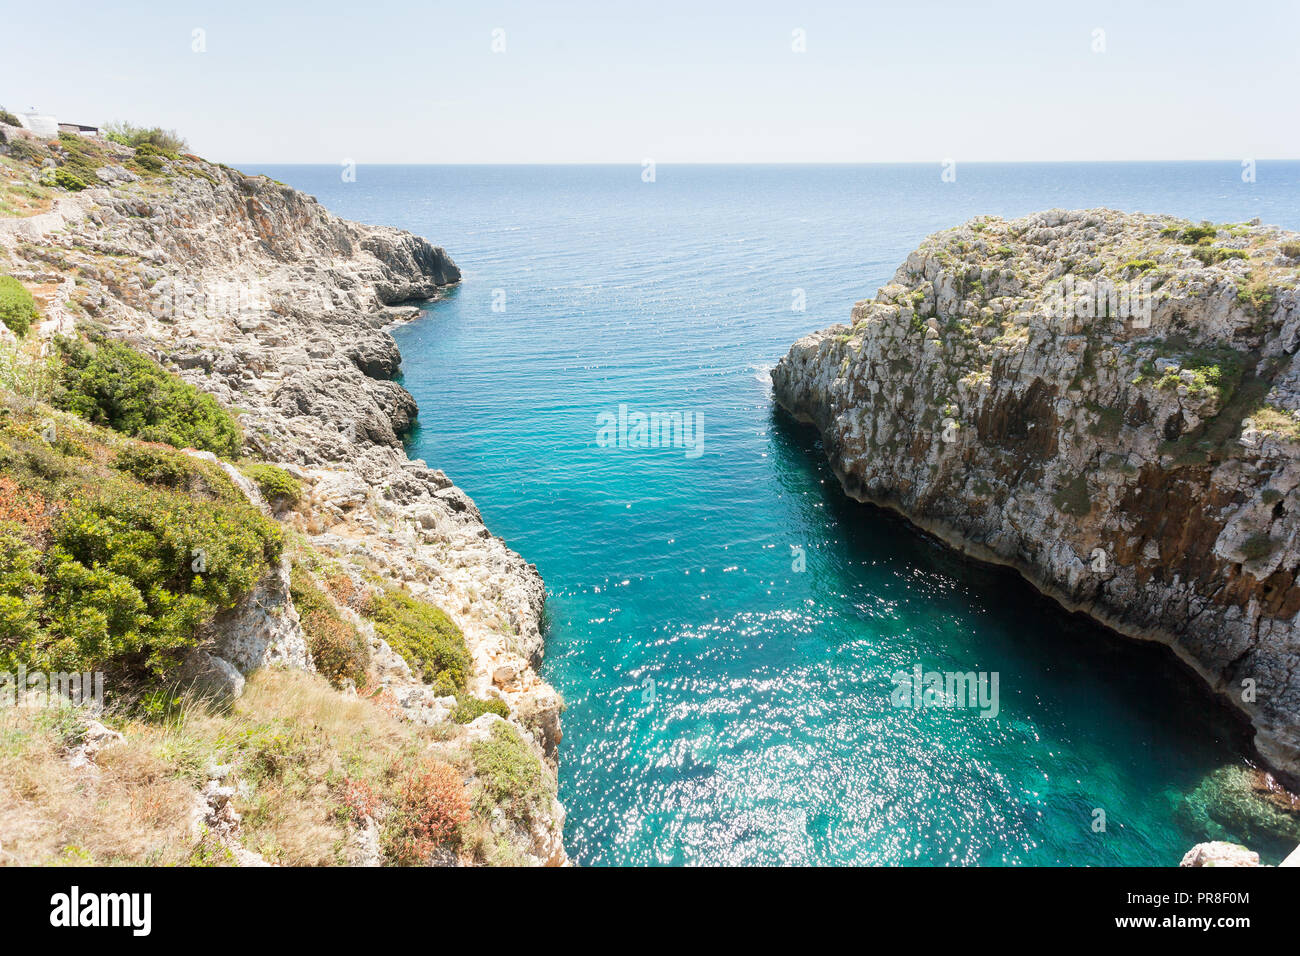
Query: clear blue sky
pixel 418 82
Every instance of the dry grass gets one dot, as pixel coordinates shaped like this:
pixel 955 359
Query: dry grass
pixel 20 198
pixel 127 809
pixel 1270 419
pixel 308 765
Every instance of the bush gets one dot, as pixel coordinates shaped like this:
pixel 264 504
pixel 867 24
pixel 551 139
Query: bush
pixel 157 466
pixel 133 573
pixel 470 708
pixel 1258 297
pixel 150 149
pixel 510 772
pixel 1141 265
pixel 431 809
pixel 20 596
pixel 68 181
pixel 128 573
pixel 165 140
pixel 152 163
pixel 7 117
pixel 114 385
pixel 1191 235
pixel 17 307
pixel 276 484
pixel 1291 250
pixel 1257 547
pixel 1210 255
pixel 337 648
pixel 426 638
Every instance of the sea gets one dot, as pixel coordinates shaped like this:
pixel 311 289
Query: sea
pixel 730 634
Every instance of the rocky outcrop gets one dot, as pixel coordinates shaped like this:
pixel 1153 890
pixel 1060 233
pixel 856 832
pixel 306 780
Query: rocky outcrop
pixel 1108 403
pixel 1220 854
pixel 255 293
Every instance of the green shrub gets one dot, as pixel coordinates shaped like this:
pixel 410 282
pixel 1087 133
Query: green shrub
pixel 128 574
pixel 69 181
pixel 1258 546
pixel 7 117
pixel 1141 265
pixel 1291 250
pixel 156 466
pixel 152 163
pixel 276 484
pixel 150 149
pixel 21 586
pixel 469 708
pixel 1216 370
pixel 1190 235
pixel 510 772
pixel 426 638
pixel 1209 255
pixel 337 648
pixel 167 140
pixel 81 156
pixel 1072 498
pixel 135 572
pixel 112 384
pixel 17 307
pixel 102 571
pixel 1258 297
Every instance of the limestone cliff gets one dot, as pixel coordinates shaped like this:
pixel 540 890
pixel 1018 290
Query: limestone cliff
pixel 255 293
pixel 1108 403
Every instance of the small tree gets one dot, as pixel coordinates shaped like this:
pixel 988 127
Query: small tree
pixel 166 140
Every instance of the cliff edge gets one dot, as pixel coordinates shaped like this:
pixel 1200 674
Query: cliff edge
pixel 1107 402
pixel 255 294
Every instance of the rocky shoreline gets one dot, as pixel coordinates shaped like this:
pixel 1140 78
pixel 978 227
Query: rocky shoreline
pixel 253 292
pixel 1107 403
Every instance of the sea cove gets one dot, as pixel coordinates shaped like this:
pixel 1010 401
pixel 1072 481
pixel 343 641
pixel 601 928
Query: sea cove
pixel 725 704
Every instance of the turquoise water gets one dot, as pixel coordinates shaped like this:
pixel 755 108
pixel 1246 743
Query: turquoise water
pixel 722 706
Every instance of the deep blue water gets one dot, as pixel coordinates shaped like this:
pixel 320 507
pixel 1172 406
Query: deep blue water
pixel 723 707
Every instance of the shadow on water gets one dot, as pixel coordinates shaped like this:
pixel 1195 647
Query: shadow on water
pixel 1072 654
pixel 1185 749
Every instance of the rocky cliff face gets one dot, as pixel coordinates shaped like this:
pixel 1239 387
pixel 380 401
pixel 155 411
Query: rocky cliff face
pixel 253 292
pixel 1108 403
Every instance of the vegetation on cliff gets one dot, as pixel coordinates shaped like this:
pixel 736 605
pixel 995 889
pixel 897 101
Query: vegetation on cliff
pixel 129 545
pixel 1107 401
pixel 424 635
pixel 114 553
pixel 338 650
pixel 17 307
pixel 112 384
pixel 313 779
pixel 155 137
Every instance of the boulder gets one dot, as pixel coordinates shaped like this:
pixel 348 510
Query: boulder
pixel 1220 854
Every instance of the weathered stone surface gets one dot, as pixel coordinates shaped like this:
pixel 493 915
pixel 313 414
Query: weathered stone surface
pixel 1135 457
pixel 209 676
pixel 262 630
pixel 95 738
pixel 1220 854
pixel 256 294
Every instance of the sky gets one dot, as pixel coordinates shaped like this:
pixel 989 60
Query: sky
pixel 612 82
